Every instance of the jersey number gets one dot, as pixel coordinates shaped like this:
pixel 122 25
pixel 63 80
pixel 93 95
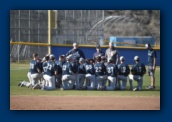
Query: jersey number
pixel 98 69
pixel 110 69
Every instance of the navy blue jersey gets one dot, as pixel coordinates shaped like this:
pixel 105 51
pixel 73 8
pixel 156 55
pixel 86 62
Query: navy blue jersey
pixel 67 69
pixel 34 66
pixel 76 53
pixel 50 68
pixel 112 70
pixel 89 68
pixel 98 54
pixel 123 69
pixel 59 65
pixel 81 69
pixel 75 66
pixel 44 65
pixel 151 56
pixel 138 69
pixel 100 69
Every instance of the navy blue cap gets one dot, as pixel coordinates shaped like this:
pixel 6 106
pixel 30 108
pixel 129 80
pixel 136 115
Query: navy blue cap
pixel 97 46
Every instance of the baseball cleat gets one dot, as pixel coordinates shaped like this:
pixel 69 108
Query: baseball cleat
pixel 135 89
pixel 150 87
pixel 19 83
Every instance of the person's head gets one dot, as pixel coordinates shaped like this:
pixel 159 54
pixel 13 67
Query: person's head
pixel 136 58
pixel 35 55
pixel 69 58
pixel 110 60
pixel 47 57
pixel 103 59
pixel 122 59
pixel 111 45
pixel 92 61
pixel 62 58
pixel 52 57
pixel 98 59
pixel 75 45
pixel 81 60
pixel 98 48
pixel 87 60
pixel 148 46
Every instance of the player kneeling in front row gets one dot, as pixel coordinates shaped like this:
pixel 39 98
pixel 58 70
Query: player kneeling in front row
pixel 68 76
pixel 138 70
pixel 100 73
pixel 90 75
pixel 81 75
pixel 124 71
pixel 50 71
pixel 112 72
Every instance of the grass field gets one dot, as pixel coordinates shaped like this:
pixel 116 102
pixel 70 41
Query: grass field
pixel 18 72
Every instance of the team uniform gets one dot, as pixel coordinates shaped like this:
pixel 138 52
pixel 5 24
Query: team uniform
pixel 138 70
pixel 98 54
pixel 80 77
pixel 112 71
pixel 76 54
pixel 34 75
pixel 124 71
pixel 151 56
pixel 59 76
pixel 101 77
pixel 90 76
pixel 49 75
pixel 68 78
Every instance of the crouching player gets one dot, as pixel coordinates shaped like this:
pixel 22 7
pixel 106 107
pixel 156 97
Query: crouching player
pixel 100 73
pixel 112 72
pixel 50 70
pixel 90 75
pixel 68 76
pixel 124 71
pixel 138 70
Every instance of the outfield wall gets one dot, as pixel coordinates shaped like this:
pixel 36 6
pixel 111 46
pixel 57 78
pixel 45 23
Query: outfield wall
pixel 127 53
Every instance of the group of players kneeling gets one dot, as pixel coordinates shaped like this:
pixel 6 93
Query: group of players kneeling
pixel 66 74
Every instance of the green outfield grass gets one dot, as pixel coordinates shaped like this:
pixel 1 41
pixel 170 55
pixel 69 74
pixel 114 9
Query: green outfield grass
pixel 18 72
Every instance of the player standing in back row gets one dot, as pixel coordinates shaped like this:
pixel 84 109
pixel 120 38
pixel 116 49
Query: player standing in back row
pixel 151 65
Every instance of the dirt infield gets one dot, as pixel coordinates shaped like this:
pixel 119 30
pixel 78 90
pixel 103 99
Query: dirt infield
pixel 83 103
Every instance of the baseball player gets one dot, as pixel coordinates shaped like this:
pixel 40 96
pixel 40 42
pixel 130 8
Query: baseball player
pixel 90 75
pixel 81 75
pixel 76 53
pixel 151 65
pixel 59 63
pixel 34 73
pixel 100 73
pixel 138 70
pixel 98 52
pixel 124 71
pixel 68 76
pixel 35 70
pixel 50 70
pixel 112 72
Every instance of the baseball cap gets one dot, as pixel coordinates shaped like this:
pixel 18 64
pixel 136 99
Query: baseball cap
pixel 97 46
pixel 122 58
pixel 136 57
pixel 103 57
pixel 52 56
pixel 147 46
pixel 75 44
pixel 81 59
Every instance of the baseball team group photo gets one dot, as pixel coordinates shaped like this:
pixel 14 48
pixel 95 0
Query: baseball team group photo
pixel 85 59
